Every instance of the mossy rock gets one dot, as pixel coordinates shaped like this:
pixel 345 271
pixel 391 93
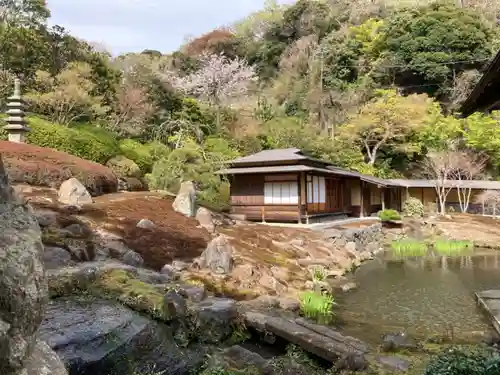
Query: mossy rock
pixel 116 284
pixel 124 167
pixel 81 246
pixel 136 294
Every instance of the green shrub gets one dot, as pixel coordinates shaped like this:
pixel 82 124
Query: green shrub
pixel 409 248
pixel 144 155
pixel 413 207
pixel 317 306
pixel 124 167
pixel 85 141
pixel 3 132
pixel 456 361
pixel 138 153
pixel 158 150
pixel 388 215
pixel 192 163
pixel 318 273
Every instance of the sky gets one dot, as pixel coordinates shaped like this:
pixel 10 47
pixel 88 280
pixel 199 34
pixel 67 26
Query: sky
pixel 134 25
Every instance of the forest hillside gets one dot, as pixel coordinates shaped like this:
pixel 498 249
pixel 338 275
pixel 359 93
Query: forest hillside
pixel 370 85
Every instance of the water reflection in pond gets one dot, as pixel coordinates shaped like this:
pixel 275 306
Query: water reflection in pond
pixel 424 296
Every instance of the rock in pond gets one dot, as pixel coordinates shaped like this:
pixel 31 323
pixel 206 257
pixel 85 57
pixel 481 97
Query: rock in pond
pixel 393 342
pixel 100 338
pixel 394 363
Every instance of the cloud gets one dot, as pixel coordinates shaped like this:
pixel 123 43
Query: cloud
pixel 135 25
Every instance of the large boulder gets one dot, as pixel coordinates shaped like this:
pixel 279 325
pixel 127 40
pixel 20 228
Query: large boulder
pixel 100 337
pixel 23 286
pixel 73 192
pixel 110 246
pixel 57 257
pixel 205 219
pixel 218 256
pixel 215 319
pixel 45 361
pixel 185 202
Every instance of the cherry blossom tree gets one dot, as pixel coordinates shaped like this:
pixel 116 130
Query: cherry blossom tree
pixel 218 81
pixel 132 109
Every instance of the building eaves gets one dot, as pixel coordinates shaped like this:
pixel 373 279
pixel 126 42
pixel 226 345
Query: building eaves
pixel 470 105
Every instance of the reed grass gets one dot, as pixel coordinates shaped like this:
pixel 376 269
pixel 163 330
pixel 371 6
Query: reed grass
pixel 409 248
pixel 452 247
pixel 317 306
pixel 318 273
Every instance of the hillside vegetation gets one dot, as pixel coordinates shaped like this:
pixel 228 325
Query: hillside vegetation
pixel 373 86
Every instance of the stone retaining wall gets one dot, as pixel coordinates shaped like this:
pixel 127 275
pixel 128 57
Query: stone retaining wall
pixel 369 238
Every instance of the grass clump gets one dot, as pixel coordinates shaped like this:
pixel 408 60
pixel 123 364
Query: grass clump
pixel 409 248
pixel 389 215
pixel 318 273
pixel 317 306
pixel 452 247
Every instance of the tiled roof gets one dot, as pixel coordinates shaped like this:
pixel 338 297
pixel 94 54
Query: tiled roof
pixel 295 154
pixel 485 93
pixel 283 154
pixel 472 184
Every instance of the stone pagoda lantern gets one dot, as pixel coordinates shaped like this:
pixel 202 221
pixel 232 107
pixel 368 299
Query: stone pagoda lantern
pixel 17 126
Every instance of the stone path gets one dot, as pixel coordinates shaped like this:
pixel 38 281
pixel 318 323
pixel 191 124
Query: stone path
pixel 489 301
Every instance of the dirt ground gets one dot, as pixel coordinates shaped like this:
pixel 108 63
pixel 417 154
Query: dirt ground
pixel 482 230
pixel 175 236
pixel 268 260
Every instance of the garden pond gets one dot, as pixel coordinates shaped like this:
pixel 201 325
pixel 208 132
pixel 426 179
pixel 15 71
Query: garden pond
pixel 430 296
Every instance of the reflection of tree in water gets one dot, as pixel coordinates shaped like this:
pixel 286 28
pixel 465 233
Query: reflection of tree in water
pixel 424 295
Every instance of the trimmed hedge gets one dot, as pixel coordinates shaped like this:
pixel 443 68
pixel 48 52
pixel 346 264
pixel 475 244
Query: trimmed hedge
pixel 144 155
pixel 388 215
pixel 85 141
pixel 39 166
pixel 124 167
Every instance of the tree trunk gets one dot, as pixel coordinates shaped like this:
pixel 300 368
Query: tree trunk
pixel 217 116
pixel 460 200
pixel 442 201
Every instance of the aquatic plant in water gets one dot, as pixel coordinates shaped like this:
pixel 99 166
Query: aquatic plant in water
pixel 409 248
pixel 317 306
pixel 452 247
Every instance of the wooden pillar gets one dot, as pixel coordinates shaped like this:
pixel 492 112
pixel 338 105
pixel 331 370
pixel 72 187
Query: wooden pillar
pixel 263 214
pixel 382 197
pixel 362 199
pixel 406 196
pixel 303 186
